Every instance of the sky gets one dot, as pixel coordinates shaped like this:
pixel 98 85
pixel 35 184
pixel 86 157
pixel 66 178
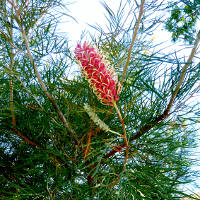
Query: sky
pixel 92 12
pixel 85 12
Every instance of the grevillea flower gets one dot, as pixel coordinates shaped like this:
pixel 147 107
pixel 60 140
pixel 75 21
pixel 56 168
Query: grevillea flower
pixel 99 76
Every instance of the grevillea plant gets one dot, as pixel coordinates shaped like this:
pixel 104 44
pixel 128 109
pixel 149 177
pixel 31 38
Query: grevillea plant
pixel 101 78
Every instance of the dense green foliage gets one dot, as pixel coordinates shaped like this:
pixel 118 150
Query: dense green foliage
pixel 45 131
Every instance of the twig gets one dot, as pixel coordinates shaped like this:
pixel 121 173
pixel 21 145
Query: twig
pixel 125 137
pixel 8 39
pixel 88 144
pixel 55 160
pixel 50 195
pixel 40 16
pixel 121 28
pixel 183 72
pixel 11 74
pixel 132 43
pixel 29 92
pixel 191 95
pixel 11 90
pixel 26 139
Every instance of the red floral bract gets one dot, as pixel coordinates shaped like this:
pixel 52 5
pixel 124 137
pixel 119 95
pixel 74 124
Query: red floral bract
pixel 97 73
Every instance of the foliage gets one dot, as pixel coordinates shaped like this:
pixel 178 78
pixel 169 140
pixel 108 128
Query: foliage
pixel 184 16
pixel 52 149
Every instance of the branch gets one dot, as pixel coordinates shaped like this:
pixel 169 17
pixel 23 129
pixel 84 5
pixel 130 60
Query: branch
pixel 26 139
pixel 132 43
pixel 196 90
pixel 54 158
pixel 184 71
pixel 50 97
pixel 165 114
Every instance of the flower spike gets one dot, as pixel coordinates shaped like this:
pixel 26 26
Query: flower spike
pixel 100 77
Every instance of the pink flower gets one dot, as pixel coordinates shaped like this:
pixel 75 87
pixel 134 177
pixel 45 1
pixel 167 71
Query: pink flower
pixel 99 76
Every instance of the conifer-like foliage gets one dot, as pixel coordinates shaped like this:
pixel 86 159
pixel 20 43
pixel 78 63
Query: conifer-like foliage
pixel 59 141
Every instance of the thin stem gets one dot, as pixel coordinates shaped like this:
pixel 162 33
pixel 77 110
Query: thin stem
pixel 10 42
pixel 27 90
pixel 88 144
pixel 132 42
pixel 26 139
pixel 121 28
pixel 122 121
pixel 191 96
pixel 10 32
pixel 183 73
pixel 11 91
pixel 125 136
